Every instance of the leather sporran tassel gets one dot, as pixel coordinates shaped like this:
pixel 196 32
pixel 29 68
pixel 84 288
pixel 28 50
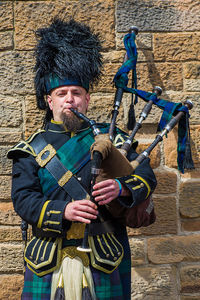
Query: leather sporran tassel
pixel 60 293
pixel 86 295
pixel 188 161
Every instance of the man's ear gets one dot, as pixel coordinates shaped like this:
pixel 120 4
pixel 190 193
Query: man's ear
pixel 87 99
pixel 49 100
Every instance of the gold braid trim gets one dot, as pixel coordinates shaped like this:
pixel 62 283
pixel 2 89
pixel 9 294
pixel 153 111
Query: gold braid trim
pixel 72 252
pixel 76 231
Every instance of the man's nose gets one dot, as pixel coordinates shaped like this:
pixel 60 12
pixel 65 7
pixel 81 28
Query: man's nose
pixel 69 98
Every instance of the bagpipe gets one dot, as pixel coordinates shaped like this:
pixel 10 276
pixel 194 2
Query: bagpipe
pixel 110 162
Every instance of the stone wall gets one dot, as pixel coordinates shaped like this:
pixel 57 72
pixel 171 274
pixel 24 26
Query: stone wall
pixel 166 255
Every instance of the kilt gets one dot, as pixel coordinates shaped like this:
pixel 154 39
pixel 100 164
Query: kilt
pixel 114 286
pixel 35 287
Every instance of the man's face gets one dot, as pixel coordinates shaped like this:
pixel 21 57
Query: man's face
pixel 63 98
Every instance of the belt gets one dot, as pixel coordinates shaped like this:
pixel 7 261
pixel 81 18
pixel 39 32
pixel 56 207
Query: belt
pixel 109 226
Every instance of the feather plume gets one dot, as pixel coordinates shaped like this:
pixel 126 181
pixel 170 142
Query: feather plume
pixel 68 50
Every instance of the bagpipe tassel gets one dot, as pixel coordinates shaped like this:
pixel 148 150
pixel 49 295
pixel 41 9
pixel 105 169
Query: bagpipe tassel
pixel 131 117
pixel 60 293
pixel 86 294
pixel 188 161
pixel 131 113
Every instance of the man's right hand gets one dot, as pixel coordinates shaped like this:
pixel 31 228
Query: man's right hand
pixel 81 211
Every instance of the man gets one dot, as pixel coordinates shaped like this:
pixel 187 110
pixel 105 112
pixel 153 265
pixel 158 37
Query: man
pixel 52 179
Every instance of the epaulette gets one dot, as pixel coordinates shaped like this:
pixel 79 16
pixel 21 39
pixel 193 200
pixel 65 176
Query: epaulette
pixel 23 146
pixel 120 138
pixel 120 135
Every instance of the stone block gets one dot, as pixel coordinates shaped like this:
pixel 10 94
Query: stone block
pixel 19 79
pixel 190 224
pixel 191 70
pixel 190 279
pixel 33 116
pixel 11 112
pixel 189 196
pixel 138 256
pixel 143 41
pixel 195 144
pixel 176 47
pixel 157 15
pixel 11 286
pixel 7 214
pixel 164 250
pixel 5 187
pixel 166 218
pixel 190 297
pixel 8 234
pixel 192 85
pixel 6 15
pixel 106 84
pixel 6 40
pixel 170 149
pixel 40 13
pixel 106 101
pixel 155 155
pixel 167 75
pixel 166 182
pixel 5 163
pixel 154 283
pixel 11 258
pixel 8 137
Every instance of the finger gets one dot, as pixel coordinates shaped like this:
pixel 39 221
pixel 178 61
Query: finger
pixel 82 220
pixel 85 205
pixel 105 201
pixel 110 194
pixel 86 215
pixel 102 184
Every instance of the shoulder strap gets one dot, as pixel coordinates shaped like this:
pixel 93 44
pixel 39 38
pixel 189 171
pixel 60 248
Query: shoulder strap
pixel 46 157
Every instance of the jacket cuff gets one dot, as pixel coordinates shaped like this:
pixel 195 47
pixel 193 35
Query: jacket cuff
pixel 139 188
pixel 51 216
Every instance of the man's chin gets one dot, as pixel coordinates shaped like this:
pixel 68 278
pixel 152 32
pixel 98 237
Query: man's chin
pixel 71 121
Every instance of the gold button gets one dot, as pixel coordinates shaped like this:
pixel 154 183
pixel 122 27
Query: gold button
pixel 142 184
pixel 115 258
pixel 135 178
pixel 45 223
pixel 42 258
pixel 107 255
pixel 48 213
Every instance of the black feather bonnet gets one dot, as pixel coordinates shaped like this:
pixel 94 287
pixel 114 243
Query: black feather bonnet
pixel 66 53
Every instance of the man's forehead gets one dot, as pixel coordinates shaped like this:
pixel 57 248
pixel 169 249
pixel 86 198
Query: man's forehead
pixel 69 88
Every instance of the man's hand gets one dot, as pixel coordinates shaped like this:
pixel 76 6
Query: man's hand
pixel 108 190
pixel 80 210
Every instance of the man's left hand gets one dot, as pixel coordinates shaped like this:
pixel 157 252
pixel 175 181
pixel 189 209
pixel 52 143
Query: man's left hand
pixel 106 191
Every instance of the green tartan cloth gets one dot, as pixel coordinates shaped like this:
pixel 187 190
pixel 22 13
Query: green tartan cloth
pixel 115 286
pixel 35 287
